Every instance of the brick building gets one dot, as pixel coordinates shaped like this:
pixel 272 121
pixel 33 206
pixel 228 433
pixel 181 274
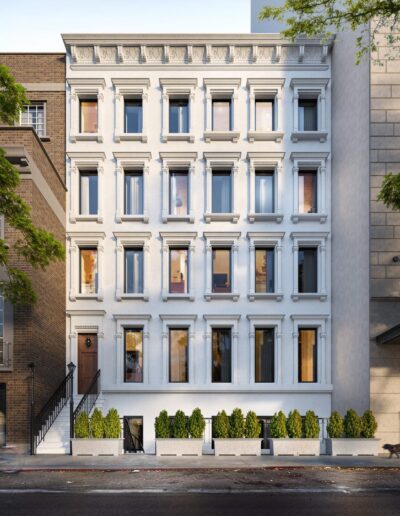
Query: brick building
pixel 35 334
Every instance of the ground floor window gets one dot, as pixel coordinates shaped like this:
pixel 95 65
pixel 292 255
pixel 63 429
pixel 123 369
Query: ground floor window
pixel 221 355
pixel 133 338
pixel 178 355
pixel 265 355
pixel 133 434
pixel 308 355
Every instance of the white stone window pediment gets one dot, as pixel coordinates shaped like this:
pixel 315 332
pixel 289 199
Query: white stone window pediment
pixel 217 161
pixel 321 323
pixel 217 88
pixel 76 240
pixel 80 89
pixel 85 161
pixel 127 239
pixel 177 88
pixel 215 239
pixel 260 88
pixel 129 88
pixel 138 161
pixel 171 239
pixel 266 321
pixel 184 161
pixel 178 321
pixel 319 241
pixel 265 161
pixel 266 240
pixel 317 161
pixel 307 88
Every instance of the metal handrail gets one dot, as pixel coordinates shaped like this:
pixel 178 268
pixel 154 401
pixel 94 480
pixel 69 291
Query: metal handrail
pixel 88 400
pixel 51 409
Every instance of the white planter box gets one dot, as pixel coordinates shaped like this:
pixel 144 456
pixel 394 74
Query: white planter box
pixel 290 446
pixel 242 446
pixel 361 446
pixel 179 447
pixel 97 446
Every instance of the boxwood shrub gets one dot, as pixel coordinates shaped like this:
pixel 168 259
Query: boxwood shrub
pixel 82 426
pixel 352 424
pixel 335 426
pixel 252 427
pixel 196 424
pixel 162 425
pixel 310 425
pixel 278 426
pixel 294 424
pixel 369 424
pixel 221 425
pixel 97 424
pixel 180 426
pixel 236 424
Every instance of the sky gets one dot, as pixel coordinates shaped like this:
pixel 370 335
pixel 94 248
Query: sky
pixel 36 25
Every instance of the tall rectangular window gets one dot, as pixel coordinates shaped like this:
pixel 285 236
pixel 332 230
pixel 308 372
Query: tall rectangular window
pixel 178 116
pixel 265 355
pixel 221 115
pixel 133 271
pixel 133 338
pixel 221 355
pixel 178 193
pixel 133 193
pixel 34 115
pixel 88 116
pixel 221 270
pixel 264 115
pixel 308 355
pixel 2 319
pixel 88 270
pixel 178 271
pixel 308 271
pixel 178 355
pixel 221 191
pixel 308 115
pixel 264 192
pixel 307 191
pixel 88 193
pixel 133 116
pixel 265 270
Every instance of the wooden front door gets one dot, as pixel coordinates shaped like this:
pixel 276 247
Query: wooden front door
pixel 87 360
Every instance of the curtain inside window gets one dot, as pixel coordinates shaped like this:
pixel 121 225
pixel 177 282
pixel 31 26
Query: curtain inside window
pixel 178 193
pixel 308 271
pixel 88 194
pixel 133 271
pixel 134 194
pixel 264 115
pixel 178 116
pixel 221 115
pixel 264 192
pixel 133 116
pixel 88 116
pixel 308 115
pixel 307 192
pixel 221 270
pixel 88 271
pixel 264 269
pixel 133 355
pixel 221 192
pixel 307 355
pixel 178 355
pixel 178 272
pixel 221 355
pixel 265 355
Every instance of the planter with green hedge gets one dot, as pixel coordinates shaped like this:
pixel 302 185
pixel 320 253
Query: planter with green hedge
pixel 234 435
pixel 352 435
pixel 97 435
pixel 181 437
pixel 295 435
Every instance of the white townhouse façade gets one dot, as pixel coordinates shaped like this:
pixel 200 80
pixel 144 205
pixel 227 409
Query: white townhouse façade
pixel 199 223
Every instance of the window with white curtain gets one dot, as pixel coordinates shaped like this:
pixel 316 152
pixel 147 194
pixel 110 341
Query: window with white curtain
pixel 179 115
pixel 34 115
pixel 133 283
pixel 264 115
pixel 221 115
pixel 221 191
pixel 178 355
pixel 88 194
pixel 308 270
pixel 264 192
pixel 308 115
pixel 133 193
pixel 178 193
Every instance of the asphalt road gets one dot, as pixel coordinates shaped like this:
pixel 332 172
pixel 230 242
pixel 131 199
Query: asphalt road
pixel 235 504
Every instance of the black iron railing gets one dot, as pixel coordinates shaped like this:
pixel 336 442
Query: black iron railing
pixel 88 401
pixel 48 414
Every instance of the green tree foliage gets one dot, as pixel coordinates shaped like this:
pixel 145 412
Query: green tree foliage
pixel 310 425
pixel 236 424
pixel 369 424
pixel 162 425
pixel 112 425
pixel 294 424
pixel 278 426
pixel 335 426
pixel 37 247
pixel 180 427
pixel 82 426
pixel 252 427
pixel 389 193
pixel 97 424
pixel 196 424
pixel 221 425
pixel 316 18
pixel 352 424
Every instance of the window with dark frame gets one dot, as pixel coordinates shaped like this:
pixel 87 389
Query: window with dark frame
pixel 308 270
pixel 179 115
pixel 308 191
pixel 133 192
pixel 221 191
pixel 308 355
pixel 221 270
pixel 133 115
pixel 265 270
pixel 264 355
pixel 133 344
pixel 178 193
pixel 221 114
pixel 221 355
pixel 88 113
pixel 133 268
pixel 178 270
pixel 88 192
pixel 308 114
pixel 178 355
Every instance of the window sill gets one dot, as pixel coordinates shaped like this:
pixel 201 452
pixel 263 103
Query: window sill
pixel 222 295
pixel 95 297
pixel 169 297
pixel 267 136
pixel 277 296
pixel 311 296
pixel 86 137
pixel 6 369
pixel 178 218
pixel 270 217
pixel 139 297
pixel 178 137
pixel 309 217
pixel 230 136
pixel 221 217
pixel 131 137
pixel 133 218
pixel 88 218
pixel 309 136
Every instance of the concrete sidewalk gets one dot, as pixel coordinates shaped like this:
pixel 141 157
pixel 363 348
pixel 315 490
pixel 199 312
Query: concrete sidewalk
pixel 151 462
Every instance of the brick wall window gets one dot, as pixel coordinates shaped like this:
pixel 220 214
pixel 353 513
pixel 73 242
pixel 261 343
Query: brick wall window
pixel 34 116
